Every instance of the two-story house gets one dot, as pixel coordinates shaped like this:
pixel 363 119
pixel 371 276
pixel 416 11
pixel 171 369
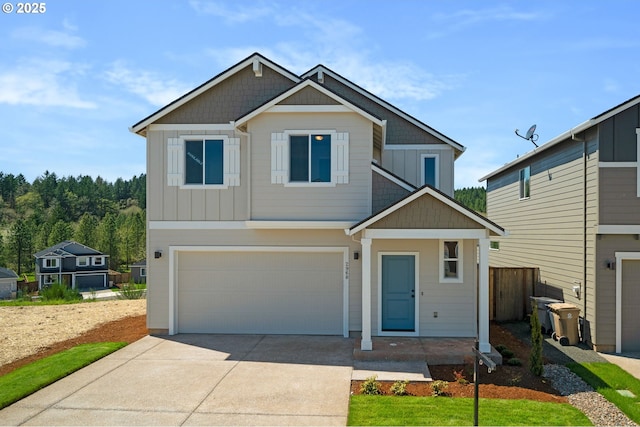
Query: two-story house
pixel 74 264
pixel 572 208
pixel 288 204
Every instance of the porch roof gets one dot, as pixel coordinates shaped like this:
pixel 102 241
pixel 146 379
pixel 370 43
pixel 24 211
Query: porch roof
pixel 425 209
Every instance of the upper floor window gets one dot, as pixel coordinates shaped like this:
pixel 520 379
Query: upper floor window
pixel 82 261
pixel 98 260
pixel 310 158
pixel 211 161
pixel 429 169
pixel 525 182
pixel 51 263
pixel 451 261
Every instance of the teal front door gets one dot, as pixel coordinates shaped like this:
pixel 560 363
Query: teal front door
pixel 398 293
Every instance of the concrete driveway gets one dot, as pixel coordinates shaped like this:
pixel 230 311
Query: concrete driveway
pixel 202 380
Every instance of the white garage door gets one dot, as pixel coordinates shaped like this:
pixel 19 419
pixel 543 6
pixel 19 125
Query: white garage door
pixel 630 304
pixel 260 292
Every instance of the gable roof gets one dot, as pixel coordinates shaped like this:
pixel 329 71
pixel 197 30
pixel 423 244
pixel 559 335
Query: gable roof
pixel 297 88
pixel 438 195
pixel 571 133
pixel 321 69
pixel 6 273
pixel 255 59
pixel 68 248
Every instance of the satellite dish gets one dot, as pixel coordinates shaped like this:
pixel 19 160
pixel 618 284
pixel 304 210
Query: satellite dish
pixel 531 136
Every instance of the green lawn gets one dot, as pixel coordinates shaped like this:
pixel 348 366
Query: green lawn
pixel 31 378
pixel 444 411
pixel 607 379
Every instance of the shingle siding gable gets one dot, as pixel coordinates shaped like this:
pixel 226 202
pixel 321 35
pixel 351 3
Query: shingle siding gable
pixel 385 193
pixel 309 96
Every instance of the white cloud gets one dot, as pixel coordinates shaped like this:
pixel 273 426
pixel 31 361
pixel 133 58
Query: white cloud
pixel 43 82
pixel 151 86
pixel 241 13
pixel 49 37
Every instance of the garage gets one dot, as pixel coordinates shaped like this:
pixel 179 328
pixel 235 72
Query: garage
pixel 254 290
pixel 630 304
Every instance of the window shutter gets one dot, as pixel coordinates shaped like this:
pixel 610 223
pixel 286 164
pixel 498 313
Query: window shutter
pixel 232 162
pixel 340 158
pixel 175 162
pixel 279 158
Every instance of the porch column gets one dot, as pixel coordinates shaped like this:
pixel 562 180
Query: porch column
pixel 366 343
pixel 483 295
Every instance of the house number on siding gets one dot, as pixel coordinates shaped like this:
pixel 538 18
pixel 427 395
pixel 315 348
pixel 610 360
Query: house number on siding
pixel 346 270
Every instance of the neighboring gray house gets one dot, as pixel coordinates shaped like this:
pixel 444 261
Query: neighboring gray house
pixel 139 271
pixel 572 208
pixel 73 264
pixel 8 283
pixel 288 204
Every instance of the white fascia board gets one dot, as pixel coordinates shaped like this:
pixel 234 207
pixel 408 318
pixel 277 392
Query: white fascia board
pixel 188 97
pixel 417 147
pixel 392 178
pixel 618 229
pixel 386 105
pixel 297 88
pixel 299 225
pixel 435 233
pixel 308 109
pixel 197 225
pixel 190 127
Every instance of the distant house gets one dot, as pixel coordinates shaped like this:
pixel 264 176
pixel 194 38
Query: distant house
pixel 139 271
pixel 572 207
pixel 73 264
pixel 8 283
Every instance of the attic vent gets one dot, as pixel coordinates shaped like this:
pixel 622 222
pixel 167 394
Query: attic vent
pixel 257 68
pixel 320 76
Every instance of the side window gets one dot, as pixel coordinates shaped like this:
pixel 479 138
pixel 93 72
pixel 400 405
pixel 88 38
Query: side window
pixel 429 165
pixel 203 162
pixel 451 261
pixel 525 182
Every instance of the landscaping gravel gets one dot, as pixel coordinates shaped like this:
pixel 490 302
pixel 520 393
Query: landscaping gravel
pixel 581 395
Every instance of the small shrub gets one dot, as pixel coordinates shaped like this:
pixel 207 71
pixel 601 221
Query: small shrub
pixel 535 357
pixel 132 291
pixel 399 388
pixel 370 386
pixel 515 380
pixel 514 361
pixel 506 353
pixel 500 348
pixel 438 387
pixel 459 377
pixel 60 291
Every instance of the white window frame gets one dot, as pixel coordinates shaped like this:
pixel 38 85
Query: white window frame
pixel 94 261
pixel 437 171
pixel 458 258
pixel 143 272
pixel 497 244
pixel 281 158
pixel 176 162
pixel 54 261
pixel 522 183
pixel 80 263
pixel 48 279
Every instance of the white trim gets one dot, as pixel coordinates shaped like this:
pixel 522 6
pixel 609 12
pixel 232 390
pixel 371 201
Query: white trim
pixel 174 252
pixel 197 225
pixel 621 256
pixel 298 225
pixel 392 178
pixel 459 258
pixel 140 126
pixel 618 229
pixel 230 162
pixel 309 109
pixel 297 88
pixel 386 146
pixel 437 166
pixel 428 233
pixel 427 190
pixel 86 258
pixel 618 164
pixel 366 344
pixel 386 105
pixel 416 320
pixel 483 296
pixel 197 127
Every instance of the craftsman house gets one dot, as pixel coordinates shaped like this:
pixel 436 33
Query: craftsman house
pixel 73 264
pixel 303 204
pixel 572 207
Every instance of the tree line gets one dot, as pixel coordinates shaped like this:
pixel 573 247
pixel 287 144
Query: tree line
pixel 109 217
pixel 473 197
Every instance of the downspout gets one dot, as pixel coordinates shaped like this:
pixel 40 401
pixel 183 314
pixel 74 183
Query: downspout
pixel 574 137
pixel 248 135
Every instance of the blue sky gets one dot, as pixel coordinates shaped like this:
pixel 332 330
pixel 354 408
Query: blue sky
pixel 75 78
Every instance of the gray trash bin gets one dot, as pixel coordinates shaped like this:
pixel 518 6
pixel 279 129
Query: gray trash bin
pixel 546 323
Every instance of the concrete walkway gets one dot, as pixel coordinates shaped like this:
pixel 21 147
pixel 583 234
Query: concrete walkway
pixel 202 380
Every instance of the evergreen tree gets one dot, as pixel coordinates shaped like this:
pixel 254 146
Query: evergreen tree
pixel 108 240
pixel 60 232
pixel 86 233
pixel 535 358
pixel 20 245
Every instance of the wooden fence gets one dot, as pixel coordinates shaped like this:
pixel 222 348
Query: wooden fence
pixel 509 292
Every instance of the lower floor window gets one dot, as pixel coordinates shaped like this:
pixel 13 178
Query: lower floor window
pixel 451 260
